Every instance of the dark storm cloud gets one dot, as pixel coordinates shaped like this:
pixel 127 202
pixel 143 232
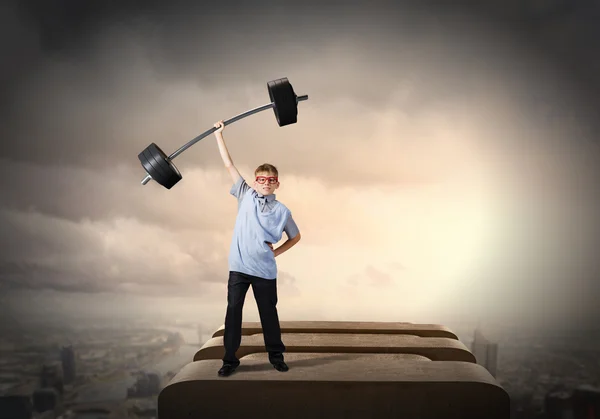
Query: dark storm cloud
pixel 77 194
pixel 15 276
pixel 90 72
pixel 61 24
pixel 41 252
pixel 68 26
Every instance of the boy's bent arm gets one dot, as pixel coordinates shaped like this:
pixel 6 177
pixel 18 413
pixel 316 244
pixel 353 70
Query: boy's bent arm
pixel 233 172
pixel 287 245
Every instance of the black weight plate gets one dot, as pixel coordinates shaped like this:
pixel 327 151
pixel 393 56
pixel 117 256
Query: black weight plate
pixel 144 158
pixel 153 158
pixel 270 87
pixel 166 164
pixel 286 107
pixel 160 158
pixel 158 166
pixel 175 176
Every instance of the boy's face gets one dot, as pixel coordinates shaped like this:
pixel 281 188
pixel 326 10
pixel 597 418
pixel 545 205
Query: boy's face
pixel 266 188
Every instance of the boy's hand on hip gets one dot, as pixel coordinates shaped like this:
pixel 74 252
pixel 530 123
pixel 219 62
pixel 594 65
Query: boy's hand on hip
pixel 271 247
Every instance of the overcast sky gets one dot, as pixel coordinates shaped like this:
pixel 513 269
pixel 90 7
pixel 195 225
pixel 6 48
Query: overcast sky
pixel 444 168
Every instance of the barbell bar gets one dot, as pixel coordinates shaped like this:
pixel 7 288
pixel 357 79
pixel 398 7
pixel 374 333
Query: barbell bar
pixel 159 166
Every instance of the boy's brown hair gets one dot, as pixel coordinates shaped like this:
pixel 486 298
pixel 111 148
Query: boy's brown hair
pixel 266 167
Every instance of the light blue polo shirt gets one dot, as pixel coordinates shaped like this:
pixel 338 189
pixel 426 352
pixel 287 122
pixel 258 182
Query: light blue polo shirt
pixel 260 220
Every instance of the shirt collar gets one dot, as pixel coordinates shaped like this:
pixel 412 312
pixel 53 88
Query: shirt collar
pixel 268 198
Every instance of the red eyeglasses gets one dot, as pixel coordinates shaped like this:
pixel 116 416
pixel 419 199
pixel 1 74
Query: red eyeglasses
pixel 262 179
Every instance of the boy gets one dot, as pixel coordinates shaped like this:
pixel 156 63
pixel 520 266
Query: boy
pixel 260 222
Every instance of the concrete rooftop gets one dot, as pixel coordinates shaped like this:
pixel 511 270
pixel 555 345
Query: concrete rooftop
pixel 339 370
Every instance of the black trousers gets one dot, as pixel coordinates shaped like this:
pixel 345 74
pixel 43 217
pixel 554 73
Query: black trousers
pixel 265 294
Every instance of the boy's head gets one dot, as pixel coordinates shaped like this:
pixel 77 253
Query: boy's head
pixel 268 175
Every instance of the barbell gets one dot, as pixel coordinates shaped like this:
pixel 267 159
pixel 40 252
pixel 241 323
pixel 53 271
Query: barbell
pixel 160 167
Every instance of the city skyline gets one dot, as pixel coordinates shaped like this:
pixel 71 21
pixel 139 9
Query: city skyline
pixel 110 374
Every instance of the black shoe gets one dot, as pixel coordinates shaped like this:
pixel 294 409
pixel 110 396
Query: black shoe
pixel 280 366
pixel 226 370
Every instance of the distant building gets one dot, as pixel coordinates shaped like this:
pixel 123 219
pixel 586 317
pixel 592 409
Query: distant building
pixel 485 352
pixel 558 405
pixel 586 402
pixel 147 384
pixel 144 409
pixel 45 399
pixel 154 383
pixel 16 407
pixel 51 376
pixel 67 356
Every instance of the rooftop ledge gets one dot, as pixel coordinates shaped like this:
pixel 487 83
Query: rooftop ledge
pixel 352 372
pixel 436 349
pixel 379 328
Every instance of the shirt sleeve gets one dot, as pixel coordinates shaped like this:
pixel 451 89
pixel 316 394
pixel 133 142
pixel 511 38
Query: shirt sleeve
pixel 291 229
pixel 239 188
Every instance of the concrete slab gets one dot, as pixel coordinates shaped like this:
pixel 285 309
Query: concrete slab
pixel 336 385
pixel 309 365
pixel 423 330
pixel 436 349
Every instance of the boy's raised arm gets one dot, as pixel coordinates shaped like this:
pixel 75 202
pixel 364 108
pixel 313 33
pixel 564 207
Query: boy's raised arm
pixel 235 175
